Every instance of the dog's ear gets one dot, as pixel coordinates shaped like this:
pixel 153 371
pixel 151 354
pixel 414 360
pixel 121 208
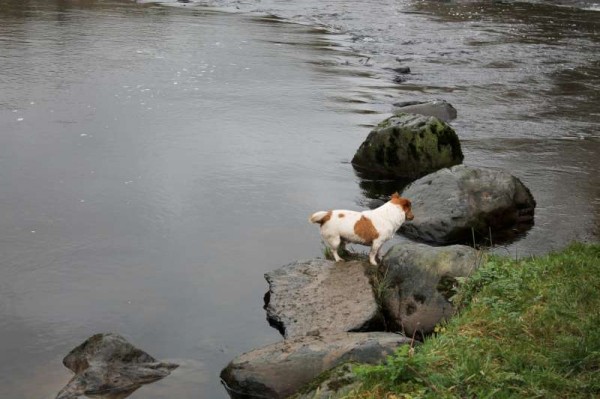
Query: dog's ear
pixel 396 195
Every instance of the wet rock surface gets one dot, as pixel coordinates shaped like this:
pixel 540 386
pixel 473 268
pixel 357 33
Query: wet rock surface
pixel 407 146
pixel 419 282
pixel 321 297
pixel 279 370
pixel 331 384
pixel 454 203
pixel 106 365
pixel 441 109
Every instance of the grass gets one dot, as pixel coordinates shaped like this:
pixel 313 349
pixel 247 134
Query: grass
pixel 525 329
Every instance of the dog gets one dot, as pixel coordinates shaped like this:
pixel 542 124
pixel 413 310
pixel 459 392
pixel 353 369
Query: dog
pixel 372 227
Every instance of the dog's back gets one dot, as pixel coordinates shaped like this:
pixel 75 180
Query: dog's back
pixel 343 223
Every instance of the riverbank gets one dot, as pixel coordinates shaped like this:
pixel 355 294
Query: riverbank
pixel 527 328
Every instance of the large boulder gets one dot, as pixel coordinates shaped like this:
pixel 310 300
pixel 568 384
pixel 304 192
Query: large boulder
pixel 279 370
pixel 419 281
pixel 107 363
pixel 452 205
pixel 407 146
pixel 320 296
pixel 441 109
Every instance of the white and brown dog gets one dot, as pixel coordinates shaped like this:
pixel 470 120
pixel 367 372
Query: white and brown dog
pixel 373 227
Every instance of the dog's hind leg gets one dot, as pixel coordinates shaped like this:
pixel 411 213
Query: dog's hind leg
pixel 335 243
pixel 342 247
pixel 374 251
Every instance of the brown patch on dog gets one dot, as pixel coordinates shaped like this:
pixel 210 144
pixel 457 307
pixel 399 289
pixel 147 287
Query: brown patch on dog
pixel 364 229
pixel 341 215
pixel 404 203
pixel 325 218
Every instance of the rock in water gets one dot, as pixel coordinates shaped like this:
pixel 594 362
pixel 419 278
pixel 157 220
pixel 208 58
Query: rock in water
pixel 106 364
pixel 407 146
pixel 449 203
pixel 418 282
pixel 281 369
pixel 441 109
pixel 321 296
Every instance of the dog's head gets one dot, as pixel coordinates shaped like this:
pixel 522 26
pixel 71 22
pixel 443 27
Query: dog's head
pixel 404 203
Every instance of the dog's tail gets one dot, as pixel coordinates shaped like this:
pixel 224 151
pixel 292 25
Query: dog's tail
pixel 320 217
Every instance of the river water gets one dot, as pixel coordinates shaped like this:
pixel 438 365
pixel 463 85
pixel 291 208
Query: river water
pixel 157 159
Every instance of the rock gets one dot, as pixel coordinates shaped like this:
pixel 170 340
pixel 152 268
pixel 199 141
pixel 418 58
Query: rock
pixel 441 109
pixel 403 70
pixel 321 296
pixel 449 203
pixel 419 281
pixel 407 146
pixel 107 363
pixel 334 383
pixel 279 370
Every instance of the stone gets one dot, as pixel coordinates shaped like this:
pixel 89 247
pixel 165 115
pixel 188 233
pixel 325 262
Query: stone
pixel 453 204
pixel 106 364
pixel 334 383
pixel 441 109
pixel 403 70
pixel 419 282
pixel 407 146
pixel 321 296
pixel 279 370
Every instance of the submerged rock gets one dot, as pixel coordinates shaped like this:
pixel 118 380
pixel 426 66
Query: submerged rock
pixel 407 146
pixel 279 370
pixel 441 109
pixel 452 204
pixel 320 296
pixel 106 365
pixel 419 281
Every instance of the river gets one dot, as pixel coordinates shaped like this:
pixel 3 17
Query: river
pixel 157 159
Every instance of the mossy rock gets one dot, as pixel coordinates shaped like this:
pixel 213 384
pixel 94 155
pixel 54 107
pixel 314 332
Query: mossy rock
pixel 407 146
pixel 333 383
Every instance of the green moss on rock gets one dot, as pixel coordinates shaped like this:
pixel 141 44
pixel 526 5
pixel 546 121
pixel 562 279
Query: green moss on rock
pixel 408 146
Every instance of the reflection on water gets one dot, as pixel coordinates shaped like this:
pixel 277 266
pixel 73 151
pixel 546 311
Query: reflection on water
pixel 156 161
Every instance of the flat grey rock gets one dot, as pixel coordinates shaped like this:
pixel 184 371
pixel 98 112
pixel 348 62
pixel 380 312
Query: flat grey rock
pixel 279 370
pixel 321 297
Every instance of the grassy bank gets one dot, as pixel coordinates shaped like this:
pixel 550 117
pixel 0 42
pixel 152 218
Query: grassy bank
pixel 526 329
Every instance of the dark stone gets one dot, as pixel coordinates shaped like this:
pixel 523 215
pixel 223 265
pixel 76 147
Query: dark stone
pixel 279 370
pixel 407 146
pixel 402 70
pixel 106 364
pixel 420 281
pixel 319 297
pixel 454 204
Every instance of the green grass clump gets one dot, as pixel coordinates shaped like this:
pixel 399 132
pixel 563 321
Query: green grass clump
pixel 525 329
